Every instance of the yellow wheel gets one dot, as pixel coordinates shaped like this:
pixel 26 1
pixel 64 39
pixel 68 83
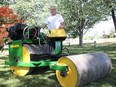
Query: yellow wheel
pixel 71 79
pixel 22 71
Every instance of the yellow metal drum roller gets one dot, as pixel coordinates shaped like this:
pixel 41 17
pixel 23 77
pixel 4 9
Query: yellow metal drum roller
pixel 22 71
pixel 71 79
pixel 83 68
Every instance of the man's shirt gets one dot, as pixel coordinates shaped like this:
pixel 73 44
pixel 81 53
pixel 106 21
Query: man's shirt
pixel 54 21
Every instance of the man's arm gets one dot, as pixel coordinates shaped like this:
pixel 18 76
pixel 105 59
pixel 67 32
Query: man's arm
pixel 44 25
pixel 61 26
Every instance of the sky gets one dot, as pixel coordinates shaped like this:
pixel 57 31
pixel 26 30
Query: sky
pixel 100 27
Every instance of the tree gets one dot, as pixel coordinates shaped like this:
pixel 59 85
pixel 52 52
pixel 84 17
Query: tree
pixel 33 11
pixel 112 4
pixel 81 15
pixel 114 18
pixel 6 2
pixel 7 17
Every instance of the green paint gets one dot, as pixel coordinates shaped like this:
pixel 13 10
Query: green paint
pixel 42 63
pixel 15 55
pixel 15 51
pixel 58 47
pixel 27 41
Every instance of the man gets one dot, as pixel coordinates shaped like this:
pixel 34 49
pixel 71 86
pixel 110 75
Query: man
pixel 55 21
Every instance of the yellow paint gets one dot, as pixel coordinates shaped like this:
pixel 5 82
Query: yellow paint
pixel 71 80
pixel 57 33
pixel 22 71
pixel 14 46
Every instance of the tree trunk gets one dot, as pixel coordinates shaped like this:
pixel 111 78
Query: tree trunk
pixel 80 39
pixel 114 18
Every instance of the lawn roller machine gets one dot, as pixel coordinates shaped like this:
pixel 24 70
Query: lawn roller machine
pixel 31 50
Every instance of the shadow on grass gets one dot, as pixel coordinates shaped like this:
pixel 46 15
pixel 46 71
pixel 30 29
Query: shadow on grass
pixel 5 74
pixel 43 80
pixel 110 50
pixel 48 79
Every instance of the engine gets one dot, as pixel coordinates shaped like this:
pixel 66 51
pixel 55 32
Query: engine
pixel 22 31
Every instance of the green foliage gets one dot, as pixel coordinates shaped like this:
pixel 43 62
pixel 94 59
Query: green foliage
pixel 81 15
pixel 32 11
pixel 6 2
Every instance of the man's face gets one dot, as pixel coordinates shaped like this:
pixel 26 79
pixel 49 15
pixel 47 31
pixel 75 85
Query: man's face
pixel 53 11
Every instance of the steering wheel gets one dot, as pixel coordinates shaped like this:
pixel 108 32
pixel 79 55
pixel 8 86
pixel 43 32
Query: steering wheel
pixel 25 33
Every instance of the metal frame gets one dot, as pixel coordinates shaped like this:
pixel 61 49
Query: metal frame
pixel 15 54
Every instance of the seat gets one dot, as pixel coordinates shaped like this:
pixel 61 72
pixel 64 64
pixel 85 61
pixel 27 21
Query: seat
pixel 57 34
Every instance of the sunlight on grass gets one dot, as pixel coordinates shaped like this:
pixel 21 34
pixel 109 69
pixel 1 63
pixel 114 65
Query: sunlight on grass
pixel 48 79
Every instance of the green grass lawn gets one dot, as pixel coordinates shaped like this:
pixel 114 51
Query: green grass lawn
pixel 48 79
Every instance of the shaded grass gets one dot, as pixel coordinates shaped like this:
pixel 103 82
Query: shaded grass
pixel 48 79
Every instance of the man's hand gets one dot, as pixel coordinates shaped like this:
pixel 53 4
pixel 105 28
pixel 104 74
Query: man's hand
pixel 61 26
pixel 42 30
